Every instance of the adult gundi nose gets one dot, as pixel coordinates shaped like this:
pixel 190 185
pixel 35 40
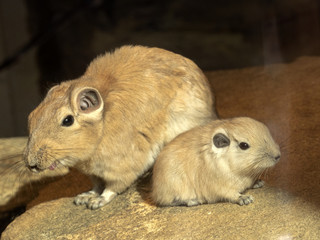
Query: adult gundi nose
pixel 34 168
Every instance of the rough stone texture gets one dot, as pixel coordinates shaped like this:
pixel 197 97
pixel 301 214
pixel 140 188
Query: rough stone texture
pixel 286 97
pixel 15 178
pixel 274 214
pixel 10 153
pixel 21 187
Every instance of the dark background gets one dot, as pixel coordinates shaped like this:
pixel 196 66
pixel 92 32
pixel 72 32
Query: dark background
pixel 45 42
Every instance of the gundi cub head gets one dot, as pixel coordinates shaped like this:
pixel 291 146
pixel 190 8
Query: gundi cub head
pixel 214 162
pixel 246 145
pixel 112 122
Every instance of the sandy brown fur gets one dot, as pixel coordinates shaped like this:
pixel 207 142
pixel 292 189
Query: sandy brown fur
pixel 190 170
pixel 148 96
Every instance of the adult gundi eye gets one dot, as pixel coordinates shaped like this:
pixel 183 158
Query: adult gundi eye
pixel 68 121
pixel 244 145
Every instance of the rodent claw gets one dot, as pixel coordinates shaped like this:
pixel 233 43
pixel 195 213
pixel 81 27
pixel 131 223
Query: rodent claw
pixel 245 200
pixel 96 202
pixel 84 198
pixel 258 184
pixel 192 202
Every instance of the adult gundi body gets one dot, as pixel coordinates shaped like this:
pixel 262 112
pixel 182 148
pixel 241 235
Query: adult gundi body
pixel 112 122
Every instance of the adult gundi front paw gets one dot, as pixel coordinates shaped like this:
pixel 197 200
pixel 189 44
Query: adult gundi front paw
pixel 97 202
pixel 93 200
pixel 84 198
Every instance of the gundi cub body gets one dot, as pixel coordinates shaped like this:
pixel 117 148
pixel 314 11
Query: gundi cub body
pixel 112 122
pixel 214 162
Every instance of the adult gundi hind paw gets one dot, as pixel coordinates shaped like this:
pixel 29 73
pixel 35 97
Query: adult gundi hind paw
pixel 245 200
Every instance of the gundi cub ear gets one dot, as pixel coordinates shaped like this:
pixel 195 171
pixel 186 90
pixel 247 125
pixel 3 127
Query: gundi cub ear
pixel 220 140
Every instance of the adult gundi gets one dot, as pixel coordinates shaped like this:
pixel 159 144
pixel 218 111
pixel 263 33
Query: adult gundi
pixel 112 122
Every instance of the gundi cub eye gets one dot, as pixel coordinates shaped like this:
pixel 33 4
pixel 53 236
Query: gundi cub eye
pixel 68 121
pixel 244 145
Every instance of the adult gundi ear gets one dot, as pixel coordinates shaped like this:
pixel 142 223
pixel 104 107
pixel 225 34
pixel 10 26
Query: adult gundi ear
pixel 220 140
pixel 89 101
pixel 52 89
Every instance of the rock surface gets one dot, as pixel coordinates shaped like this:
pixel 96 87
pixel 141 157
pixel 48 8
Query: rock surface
pixel 18 185
pixel 20 188
pixel 286 97
pixel 130 217
pixel 10 153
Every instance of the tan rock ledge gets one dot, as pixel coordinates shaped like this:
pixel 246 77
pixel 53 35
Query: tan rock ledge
pixel 274 215
pixel 286 97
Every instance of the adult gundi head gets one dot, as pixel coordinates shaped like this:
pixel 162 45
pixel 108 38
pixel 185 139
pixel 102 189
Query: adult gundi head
pixel 112 122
